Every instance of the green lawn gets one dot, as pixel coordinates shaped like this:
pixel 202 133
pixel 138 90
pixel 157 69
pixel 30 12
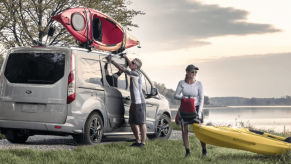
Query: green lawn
pixel 155 151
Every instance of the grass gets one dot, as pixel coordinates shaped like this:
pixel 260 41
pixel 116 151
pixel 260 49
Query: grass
pixel 155 151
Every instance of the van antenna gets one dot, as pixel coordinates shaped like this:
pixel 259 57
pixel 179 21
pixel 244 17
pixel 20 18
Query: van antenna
pixel 91 22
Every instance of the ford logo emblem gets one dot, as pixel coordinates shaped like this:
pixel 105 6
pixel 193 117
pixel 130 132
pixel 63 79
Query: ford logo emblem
pixel 28 92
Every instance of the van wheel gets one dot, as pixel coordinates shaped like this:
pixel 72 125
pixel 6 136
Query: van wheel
pixel 163 128
pixel 93 131
pixel 16 136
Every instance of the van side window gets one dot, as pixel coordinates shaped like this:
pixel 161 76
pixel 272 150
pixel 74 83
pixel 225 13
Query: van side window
pixel 90 71
pixel 114 77
pixel 35 68
pixel 146 86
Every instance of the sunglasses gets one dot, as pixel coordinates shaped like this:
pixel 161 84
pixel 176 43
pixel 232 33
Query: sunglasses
pixel 194 72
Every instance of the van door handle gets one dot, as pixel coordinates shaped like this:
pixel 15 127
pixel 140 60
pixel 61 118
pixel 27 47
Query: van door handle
pixel 149 105
pixel 94 94
pixel 127 98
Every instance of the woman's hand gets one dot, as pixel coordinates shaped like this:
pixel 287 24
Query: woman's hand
pixel 109 58
pixel 182 98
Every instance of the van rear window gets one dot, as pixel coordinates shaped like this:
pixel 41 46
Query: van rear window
pixel 35 68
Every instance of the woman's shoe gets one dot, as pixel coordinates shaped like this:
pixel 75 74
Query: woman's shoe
pixel 204 152
pixel 187 154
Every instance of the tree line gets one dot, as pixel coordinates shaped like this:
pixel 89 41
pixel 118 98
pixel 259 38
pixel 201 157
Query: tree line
pixel 240 101
pixel 226 101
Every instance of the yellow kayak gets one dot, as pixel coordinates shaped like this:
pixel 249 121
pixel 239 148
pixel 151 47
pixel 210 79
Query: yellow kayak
pixel 242 139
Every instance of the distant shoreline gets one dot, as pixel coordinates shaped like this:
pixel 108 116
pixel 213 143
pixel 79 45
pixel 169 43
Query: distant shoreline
pixel 253 106
pixel 206 106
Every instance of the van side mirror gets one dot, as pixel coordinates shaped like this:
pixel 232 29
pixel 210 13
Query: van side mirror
pixel 154 91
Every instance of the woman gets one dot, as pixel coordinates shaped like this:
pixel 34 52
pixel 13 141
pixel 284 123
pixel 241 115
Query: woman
pixel 193 88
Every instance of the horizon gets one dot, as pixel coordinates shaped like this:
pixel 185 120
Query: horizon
pixel 250 97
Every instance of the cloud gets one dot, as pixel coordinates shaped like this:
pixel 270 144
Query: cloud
pixel 266 75
pixel 183 21
pixel 248 76
pixel 171 45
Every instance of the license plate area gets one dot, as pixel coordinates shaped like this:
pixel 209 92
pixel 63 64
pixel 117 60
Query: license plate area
pixel 30 108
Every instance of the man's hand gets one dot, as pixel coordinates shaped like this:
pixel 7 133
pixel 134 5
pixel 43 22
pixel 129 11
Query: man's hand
pixel 123 55
pixel 114 63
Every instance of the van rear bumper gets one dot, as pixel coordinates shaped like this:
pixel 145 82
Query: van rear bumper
pixel 69 127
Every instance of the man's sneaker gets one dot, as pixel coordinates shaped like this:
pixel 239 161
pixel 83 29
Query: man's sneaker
pixel 187 154
pixel 141 145
pixel 135 144
pixel 204 152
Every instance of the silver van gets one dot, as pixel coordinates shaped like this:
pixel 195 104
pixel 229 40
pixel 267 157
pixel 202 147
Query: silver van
pixel 70 91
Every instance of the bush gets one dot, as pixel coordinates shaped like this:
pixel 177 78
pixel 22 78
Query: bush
pixel 2 136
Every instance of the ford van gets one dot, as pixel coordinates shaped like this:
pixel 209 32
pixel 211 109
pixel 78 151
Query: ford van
pixel 69 91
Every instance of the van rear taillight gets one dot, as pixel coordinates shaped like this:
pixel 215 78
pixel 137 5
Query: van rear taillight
pixel 71 82
pixel 71 88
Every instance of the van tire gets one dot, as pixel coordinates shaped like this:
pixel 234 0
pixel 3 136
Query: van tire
pixel 163 128
pixel 15 136
pixel 92 133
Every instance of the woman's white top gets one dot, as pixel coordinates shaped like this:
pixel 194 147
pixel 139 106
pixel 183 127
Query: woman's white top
pixel 194 90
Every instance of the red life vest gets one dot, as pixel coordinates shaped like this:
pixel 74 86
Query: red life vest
pixel 187 111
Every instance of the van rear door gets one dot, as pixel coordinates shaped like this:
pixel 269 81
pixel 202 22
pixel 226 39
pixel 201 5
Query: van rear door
pixel 34 85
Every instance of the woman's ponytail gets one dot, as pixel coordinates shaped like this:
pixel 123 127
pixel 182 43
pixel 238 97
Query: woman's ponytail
pixel 185 77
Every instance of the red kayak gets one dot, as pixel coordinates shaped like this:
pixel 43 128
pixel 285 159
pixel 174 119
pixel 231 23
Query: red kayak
pixel 104 33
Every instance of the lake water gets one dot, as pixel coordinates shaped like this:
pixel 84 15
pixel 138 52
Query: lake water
pixel 276 118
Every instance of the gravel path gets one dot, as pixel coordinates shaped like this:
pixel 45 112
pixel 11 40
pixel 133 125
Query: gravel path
pixel 46 143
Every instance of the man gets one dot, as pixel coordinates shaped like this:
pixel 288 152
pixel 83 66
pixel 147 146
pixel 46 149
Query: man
pixel 137 111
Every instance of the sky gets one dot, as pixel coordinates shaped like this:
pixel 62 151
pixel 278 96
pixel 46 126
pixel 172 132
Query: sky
pixel 241 47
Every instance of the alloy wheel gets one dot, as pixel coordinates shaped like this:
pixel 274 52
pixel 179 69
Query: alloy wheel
pixel 163 128
pixel 95 130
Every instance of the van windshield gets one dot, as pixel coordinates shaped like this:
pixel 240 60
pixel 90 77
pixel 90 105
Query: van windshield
pixel 35 68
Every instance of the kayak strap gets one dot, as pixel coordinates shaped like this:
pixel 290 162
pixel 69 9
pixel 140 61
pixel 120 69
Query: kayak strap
pixel 123 42
pixel 262 133
pixel 109 20
pixel 257 132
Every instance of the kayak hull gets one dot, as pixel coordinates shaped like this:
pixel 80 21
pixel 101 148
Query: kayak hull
pixel 79 22
pixel 242 139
